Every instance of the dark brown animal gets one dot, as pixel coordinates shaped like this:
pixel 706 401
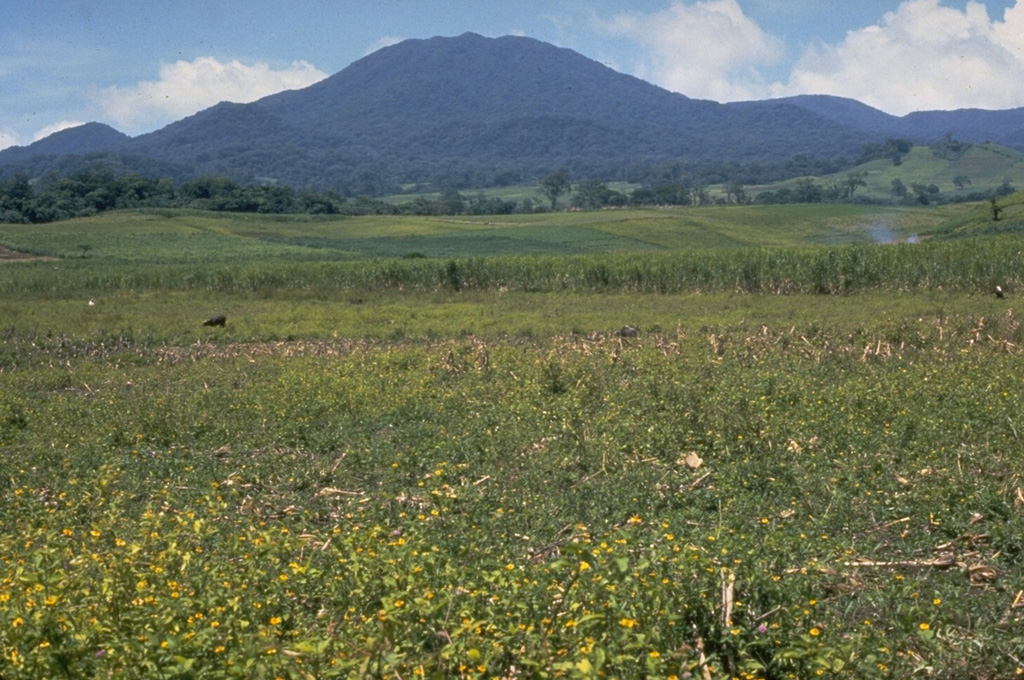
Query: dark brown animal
pixel 218 320
pixel 999 292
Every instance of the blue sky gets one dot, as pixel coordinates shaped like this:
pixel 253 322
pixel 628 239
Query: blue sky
pixel 140 64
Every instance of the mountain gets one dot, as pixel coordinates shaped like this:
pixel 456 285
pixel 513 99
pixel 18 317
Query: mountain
pixel 470 111
pixel 474 111
pixel 966 125
pixel 975 125
pixel 83 139
pixel 847 112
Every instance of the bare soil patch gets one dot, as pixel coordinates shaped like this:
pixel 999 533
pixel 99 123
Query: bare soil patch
pixel 8 255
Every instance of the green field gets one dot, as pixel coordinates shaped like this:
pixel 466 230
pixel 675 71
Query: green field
pixel 982 168
pixel 424 448
pixel 162 236
pixel 957 173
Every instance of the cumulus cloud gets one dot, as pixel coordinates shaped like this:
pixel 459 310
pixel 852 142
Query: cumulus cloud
pixel 708 49
pixel 386 41
pixel 185 87
pixel 922 56
pixel 8 138
pixel 56 127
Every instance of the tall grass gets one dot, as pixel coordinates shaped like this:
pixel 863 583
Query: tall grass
pixel 966 265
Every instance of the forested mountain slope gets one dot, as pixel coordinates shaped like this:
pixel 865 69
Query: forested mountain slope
pixel 470 112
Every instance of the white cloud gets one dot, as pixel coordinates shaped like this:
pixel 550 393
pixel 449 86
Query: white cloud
pixel 708 49
pixel 56 127
pixel 922 56
pixel 185 87
pixel 8 138
pixel 386 41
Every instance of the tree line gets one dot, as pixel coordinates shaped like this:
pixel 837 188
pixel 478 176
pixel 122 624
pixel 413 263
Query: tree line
pixel 99 188
pixel 95 190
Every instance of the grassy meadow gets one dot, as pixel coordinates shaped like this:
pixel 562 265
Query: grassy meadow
pixel 979 167
pixel 429 447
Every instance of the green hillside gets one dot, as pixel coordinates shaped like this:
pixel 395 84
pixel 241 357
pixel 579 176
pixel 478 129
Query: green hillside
pixel 169 236
pixel 986 167
pixel 982 168
pixel 947 172
pixel 981 220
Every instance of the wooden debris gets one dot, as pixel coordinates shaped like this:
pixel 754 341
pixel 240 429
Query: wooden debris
pixel 331 491
pixel 981 574
pixel 702 660
pixel 886 525
pixel 697 482
pixel 728 596
pixel 943 561
pixel 1018 603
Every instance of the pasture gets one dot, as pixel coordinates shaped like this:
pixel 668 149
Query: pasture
pixel 422 447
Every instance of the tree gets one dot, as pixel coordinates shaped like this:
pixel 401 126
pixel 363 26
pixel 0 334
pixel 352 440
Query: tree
pixel 996 208
pixel 699 194
pixel 591 194
pixel 1005 189
pixel 642 196
pixel 922 192
pixel 806 191
pixel 554 185
pixel 854 180
pixel 210 187
pixel 454 203
pixel 15 196
pixel 899 189
pixel 671 193
pixel 134 190
pixel 734 191
pixel 834 191
pixel 15 190
pixel 950 149
pixel 961 181
pixel 318 204
pixel 894 149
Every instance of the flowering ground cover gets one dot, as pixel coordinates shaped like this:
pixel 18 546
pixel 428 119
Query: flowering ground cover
pixel 795 463
pixel 725 501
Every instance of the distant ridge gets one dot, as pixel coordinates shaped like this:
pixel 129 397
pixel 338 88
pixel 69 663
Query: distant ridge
pixel 87 138
pixel 1004 127
pixel 471 111
pixel 847 112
